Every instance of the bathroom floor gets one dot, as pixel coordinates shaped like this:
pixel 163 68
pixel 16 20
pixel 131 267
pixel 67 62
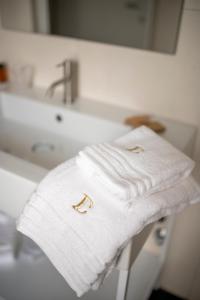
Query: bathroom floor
pixel 163 295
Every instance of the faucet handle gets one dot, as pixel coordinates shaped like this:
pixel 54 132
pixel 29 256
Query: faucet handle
pixel 67 68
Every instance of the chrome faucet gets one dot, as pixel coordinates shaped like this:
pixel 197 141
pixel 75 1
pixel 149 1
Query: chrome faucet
pixel 66 81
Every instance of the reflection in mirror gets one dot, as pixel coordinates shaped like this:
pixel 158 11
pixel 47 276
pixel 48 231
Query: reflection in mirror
pixel 144 24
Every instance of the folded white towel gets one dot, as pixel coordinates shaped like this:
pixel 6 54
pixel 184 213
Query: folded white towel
pixel 84 247
pixel 136 165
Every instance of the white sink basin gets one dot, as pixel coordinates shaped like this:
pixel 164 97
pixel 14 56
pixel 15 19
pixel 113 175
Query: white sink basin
pixel 47 135
pixel 36 136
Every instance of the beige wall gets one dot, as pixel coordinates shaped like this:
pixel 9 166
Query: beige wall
pixel 163 84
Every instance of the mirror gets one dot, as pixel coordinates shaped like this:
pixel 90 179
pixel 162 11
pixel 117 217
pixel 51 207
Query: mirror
pixel 143 24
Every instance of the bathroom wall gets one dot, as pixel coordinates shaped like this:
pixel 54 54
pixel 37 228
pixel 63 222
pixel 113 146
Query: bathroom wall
pixel 147 81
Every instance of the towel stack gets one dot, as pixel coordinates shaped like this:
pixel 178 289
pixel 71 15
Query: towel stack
pixel 136 165
pixel 86 210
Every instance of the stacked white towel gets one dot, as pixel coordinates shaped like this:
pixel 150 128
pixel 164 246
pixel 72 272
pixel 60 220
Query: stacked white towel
pixel 85 247
pixel 136 165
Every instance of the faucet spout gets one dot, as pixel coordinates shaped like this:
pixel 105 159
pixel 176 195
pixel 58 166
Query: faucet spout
pixel 66 81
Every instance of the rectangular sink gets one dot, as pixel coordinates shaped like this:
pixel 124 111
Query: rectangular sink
pixel 36 136
pixel 47 135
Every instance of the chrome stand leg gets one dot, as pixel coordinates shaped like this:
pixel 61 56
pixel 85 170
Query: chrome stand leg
pixel 17 244
pixel 122 284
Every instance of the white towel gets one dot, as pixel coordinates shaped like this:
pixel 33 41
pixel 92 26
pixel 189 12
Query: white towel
pixel 84 247
pixel 136 165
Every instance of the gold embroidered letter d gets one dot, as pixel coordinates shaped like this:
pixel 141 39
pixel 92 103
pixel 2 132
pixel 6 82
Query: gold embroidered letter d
pixel 86 200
